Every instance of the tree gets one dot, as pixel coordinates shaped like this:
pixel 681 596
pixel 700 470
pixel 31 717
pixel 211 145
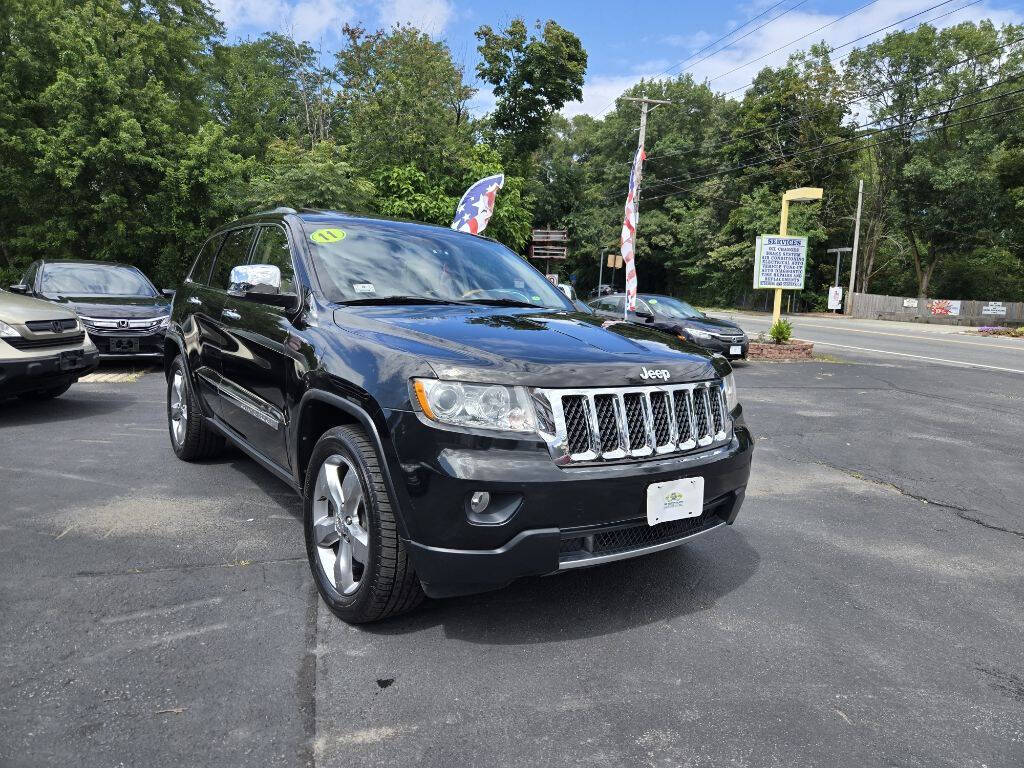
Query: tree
pixel 533 77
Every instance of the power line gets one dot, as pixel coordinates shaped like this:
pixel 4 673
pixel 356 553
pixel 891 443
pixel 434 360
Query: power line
pixel 1010 79
pixel 801 118
pixel 875 32
pixel 849 151
pixel 716 42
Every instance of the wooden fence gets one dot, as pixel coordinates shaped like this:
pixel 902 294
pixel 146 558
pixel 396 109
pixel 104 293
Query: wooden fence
pixel 877 306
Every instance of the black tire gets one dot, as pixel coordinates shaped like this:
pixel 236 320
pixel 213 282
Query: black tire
pixel 388 584
pixel 199 440
pixel 46 394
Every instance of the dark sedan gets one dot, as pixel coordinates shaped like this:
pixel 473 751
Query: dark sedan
pixel 124 314
pixel 679 318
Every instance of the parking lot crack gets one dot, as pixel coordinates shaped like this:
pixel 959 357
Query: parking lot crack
pixel 187 568
pixel 964 513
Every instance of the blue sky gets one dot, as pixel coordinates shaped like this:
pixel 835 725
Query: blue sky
pixel 625 41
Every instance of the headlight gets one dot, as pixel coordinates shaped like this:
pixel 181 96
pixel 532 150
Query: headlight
pixel 6 332
pixel 696 333
pixel 486 406
pixel 732 399
pixel 165 321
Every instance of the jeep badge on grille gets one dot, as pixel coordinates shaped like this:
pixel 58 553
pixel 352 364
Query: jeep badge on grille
pixel 657 373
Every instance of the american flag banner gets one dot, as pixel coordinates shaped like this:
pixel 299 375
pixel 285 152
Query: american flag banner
pixel 477 205
pixel 628 239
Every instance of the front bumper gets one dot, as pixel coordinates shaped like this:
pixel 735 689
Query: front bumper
pixel 547 518
pixel 36 373
pixel 124 345
pixel 724 347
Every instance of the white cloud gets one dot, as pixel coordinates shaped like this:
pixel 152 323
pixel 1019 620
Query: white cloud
pixel 600 91
pixel 305 20
pixel 431 16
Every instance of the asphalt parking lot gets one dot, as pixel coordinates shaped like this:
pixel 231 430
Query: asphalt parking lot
pixel 866 609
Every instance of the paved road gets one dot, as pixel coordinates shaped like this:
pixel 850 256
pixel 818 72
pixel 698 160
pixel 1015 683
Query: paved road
pixel 866 610
pixel 897 342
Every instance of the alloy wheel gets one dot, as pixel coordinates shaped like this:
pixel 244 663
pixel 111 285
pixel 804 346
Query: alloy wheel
pixel 178 407
pixel 340 525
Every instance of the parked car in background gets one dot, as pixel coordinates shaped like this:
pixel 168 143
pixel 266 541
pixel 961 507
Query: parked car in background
pixel 680 319
pixel 43 348
pixel 125 315
pixel 602 290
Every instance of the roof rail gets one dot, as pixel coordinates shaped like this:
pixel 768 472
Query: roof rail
pixel 279 209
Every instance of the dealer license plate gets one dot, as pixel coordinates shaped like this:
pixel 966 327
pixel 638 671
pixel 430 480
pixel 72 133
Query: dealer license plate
pixel 735 350
pixel 124 345
pixel 675 500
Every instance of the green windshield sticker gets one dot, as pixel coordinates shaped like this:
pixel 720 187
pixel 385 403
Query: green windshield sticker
pixel 327 235
pixel 536 298
pixel 652 301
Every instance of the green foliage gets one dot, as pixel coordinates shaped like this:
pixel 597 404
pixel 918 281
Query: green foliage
pixel 533 77
pixel 781 331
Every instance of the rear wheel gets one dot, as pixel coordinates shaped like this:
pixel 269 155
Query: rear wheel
pixel 359 563
pixel 191 437
pixel 46 394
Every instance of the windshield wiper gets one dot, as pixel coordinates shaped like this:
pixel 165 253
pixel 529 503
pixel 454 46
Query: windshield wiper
pixel 507 303
pixel 383 300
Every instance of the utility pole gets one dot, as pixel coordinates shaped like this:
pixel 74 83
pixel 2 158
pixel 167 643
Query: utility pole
pixel 856 241
pixel 644 103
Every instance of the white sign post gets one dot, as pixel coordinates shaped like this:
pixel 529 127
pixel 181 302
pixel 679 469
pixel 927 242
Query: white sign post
pixel 835 297
pixel 780 262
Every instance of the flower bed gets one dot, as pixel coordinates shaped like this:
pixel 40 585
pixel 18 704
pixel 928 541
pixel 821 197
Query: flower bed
pixel 1001 330
pixel 791 350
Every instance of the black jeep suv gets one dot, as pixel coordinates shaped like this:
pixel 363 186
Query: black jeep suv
pixel 449 420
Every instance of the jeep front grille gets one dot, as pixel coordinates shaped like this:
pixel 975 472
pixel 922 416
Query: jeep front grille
pixel 622 423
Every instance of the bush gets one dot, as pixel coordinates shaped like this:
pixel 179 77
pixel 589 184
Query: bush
pixel 781 331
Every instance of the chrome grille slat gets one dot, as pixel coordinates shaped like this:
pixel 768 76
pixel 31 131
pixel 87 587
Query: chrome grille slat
pixel 596 425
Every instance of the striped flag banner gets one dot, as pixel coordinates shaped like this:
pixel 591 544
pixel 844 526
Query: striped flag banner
pixel 628 239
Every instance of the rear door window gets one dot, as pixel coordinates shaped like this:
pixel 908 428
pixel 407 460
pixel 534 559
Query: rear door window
pixel 234 253
pixel 204 262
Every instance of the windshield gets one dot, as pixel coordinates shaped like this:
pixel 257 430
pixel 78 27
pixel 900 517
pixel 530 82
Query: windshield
pixel 95 280
pixel 372 262
pixel 666 305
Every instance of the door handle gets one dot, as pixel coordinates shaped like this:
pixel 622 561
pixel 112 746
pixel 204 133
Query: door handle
pixel 230 314
pixel 194 300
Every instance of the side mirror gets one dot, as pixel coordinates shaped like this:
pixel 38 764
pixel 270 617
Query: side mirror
pixel 168 292
pixel 19 288
pixel 260 283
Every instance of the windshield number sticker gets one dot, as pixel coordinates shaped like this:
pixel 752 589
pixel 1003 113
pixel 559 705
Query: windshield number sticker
pixel 329 235
pixel 363 288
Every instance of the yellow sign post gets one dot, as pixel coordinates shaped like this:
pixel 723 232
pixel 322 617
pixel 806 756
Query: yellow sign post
pixel 801 195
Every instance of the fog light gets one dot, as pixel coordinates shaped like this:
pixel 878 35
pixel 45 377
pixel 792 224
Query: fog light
pixel 479 500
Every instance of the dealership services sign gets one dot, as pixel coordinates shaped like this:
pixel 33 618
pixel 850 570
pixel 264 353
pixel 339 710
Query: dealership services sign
pixel 780 262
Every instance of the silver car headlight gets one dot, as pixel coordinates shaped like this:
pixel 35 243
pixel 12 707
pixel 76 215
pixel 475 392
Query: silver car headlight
pixel 484 406
pixel 732 398
pixel 6 332
pixel 697 333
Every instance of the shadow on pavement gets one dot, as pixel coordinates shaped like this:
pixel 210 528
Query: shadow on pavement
pixel 593 601
pixel 67 407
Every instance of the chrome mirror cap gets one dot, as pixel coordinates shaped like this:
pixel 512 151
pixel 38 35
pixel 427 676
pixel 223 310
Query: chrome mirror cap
pixel 255 278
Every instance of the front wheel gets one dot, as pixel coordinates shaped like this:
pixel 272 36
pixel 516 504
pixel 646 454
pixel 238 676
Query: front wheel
pixel 358 560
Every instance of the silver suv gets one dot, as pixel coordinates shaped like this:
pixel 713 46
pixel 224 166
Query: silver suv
pixel 43 348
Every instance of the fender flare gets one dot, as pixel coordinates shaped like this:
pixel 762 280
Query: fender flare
pixel 367 422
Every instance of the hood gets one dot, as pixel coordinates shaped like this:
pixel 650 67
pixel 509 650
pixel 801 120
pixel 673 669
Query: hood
pixel 15 308
pixel 712 324
pixel 539 347
pixel 118 306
